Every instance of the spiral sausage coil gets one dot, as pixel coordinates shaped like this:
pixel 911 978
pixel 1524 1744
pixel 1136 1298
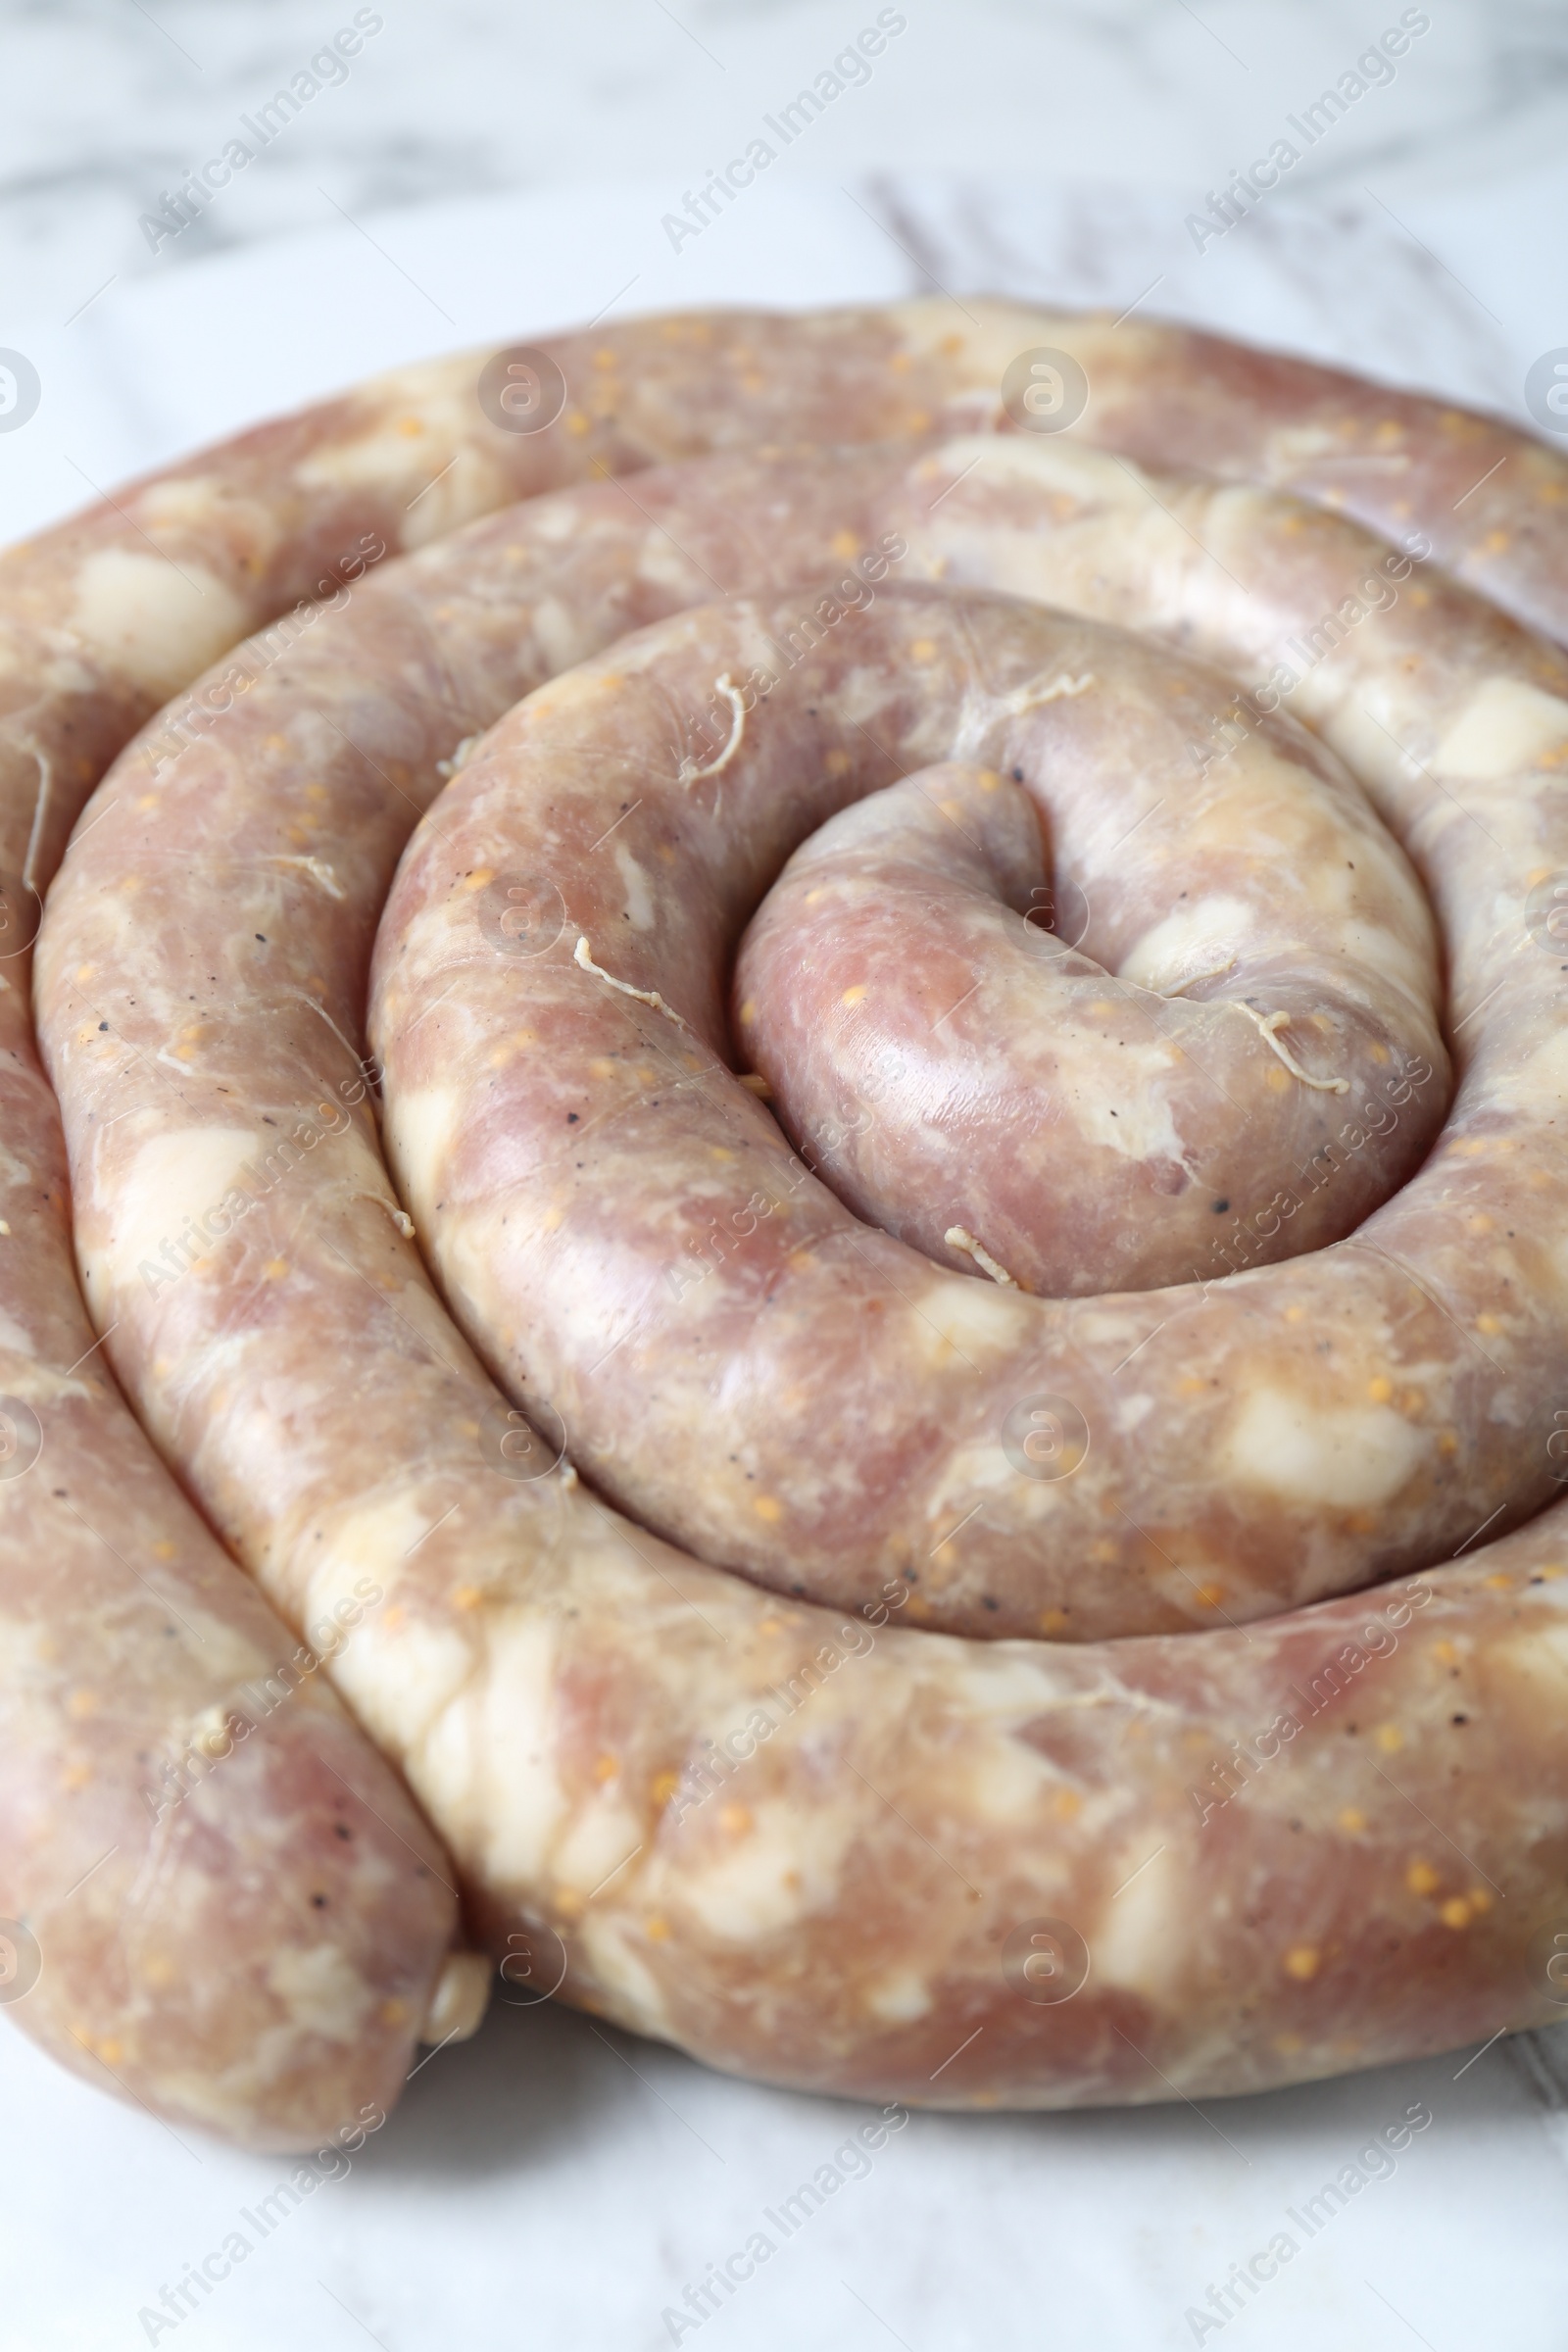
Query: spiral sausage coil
pixel 816 1132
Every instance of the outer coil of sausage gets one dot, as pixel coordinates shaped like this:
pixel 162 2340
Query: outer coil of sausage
pixel 808 1845
pixel 273 1973
pixel 217 1899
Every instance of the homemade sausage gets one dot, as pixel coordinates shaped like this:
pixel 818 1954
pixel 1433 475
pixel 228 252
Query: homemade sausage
pixel 801 1841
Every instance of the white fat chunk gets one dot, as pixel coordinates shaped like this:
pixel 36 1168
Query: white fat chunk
pixel 420 1124
pixel 175 1179
pixel 1505 726
pixel 323 1989
pixel 1345 1457
pixel 1145 1929
pixel 639 897
pixel 152 621
pixel 1188 944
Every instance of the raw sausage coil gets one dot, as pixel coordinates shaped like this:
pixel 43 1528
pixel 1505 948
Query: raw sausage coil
pixel 939 1666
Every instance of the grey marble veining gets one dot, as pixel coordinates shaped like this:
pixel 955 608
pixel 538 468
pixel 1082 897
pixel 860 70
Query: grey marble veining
pixel 106 104
pixel 1333 274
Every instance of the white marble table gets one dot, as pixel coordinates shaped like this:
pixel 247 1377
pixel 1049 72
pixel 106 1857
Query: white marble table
pixel 490 174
